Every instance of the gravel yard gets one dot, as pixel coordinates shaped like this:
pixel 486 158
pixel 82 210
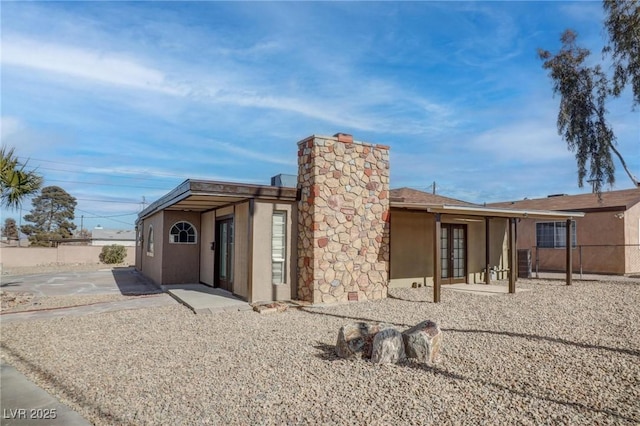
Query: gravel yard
pixel 24 301
pixel 556 354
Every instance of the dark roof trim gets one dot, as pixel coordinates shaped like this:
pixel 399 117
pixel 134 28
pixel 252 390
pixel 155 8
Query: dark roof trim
pixel 219 189
pixel 487 211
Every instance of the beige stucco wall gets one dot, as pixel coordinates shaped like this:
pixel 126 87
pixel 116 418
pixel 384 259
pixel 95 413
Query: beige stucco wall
pixel 225 211
pixel 207 236
pixel 181 261
pixel 151 263
pixel 263 290
pixel 241 247
pixel 595 228
pixel 138 247
pixel 412 246
pixel 499 251
pixel 13 257
pixel 632 239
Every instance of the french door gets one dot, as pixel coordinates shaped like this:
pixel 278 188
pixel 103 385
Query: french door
pixel 453 253
pixel 224 254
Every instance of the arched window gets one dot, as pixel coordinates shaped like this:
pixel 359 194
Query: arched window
pixel 150 242
pixel 182 233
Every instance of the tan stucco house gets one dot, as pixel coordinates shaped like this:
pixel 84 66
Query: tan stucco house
pixel 607 238
pixel 340 235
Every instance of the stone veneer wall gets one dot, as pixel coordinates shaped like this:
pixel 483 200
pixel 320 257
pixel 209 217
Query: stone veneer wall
pixel 343 220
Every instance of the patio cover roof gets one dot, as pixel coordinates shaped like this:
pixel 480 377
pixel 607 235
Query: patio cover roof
pixel 202 195
pixel 471 210
pixel 487 213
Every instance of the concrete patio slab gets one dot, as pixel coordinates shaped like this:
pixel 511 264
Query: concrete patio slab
pixel 202 299
pixel 482 289
pixel 561 276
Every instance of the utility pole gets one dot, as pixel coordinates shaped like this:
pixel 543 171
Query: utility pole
pixel 434 188
pixel 593 184
pixel 144 202
pixel 81 225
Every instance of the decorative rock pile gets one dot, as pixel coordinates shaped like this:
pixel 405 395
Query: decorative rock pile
pixel 383 343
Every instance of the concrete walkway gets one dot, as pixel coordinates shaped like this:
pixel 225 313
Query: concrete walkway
pixel 126 281
pixel 203 299
pixel 24 403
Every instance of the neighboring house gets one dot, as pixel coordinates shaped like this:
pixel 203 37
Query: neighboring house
pixel 607 238
pixel 339 235
pixel 105 237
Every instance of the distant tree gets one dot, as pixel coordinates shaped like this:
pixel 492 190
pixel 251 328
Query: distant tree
pixel 15 181
pixel 84 233
pixel 584 90
pixel 51 215
pixel 10 230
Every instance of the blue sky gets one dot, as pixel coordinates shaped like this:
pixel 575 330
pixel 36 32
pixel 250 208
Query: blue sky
pixel 116 101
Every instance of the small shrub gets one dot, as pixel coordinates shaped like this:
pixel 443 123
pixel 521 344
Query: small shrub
pixel 113 254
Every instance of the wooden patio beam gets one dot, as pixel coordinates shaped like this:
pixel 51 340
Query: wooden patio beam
pixel 569 264
pixel 437 229
pixel 512 255
pixel 487 250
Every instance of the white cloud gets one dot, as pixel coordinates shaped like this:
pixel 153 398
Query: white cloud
pixel 247 153
pixel 9 126
pixel 527 141
pixel 370 105
pixel 94 65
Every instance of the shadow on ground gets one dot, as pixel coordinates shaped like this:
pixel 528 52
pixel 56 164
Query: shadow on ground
pixel 130 282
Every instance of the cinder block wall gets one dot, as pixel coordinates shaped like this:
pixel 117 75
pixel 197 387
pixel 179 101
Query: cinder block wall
pixel 14 257
pixel 343 219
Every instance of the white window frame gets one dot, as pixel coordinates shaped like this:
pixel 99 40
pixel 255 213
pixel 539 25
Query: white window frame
pixel 279 256
pixel 559 226
pixel 172 236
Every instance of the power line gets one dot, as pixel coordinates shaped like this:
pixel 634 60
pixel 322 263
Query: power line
pixel 110 216
pixel 121 170
pixel 106 184
pixel 109 201
pixel 101 217
pixel 103 174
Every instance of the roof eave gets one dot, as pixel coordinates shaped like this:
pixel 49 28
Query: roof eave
pixel 191 187
pixel 489 211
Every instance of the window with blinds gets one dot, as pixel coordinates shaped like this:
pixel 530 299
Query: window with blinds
pixel 554 234
pixel 278 247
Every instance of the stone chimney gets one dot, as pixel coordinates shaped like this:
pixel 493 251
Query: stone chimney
pixel 343 219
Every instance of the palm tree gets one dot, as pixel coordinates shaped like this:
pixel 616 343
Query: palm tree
pixel 16 182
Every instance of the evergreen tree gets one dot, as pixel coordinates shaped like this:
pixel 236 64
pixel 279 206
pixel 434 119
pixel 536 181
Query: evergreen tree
pixel 51 216
pixel 584 90
pixel 10 230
